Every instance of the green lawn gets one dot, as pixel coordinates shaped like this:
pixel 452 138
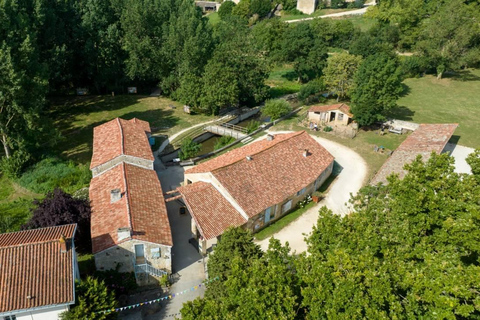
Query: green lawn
pixel 213 18
pixel 282 81
pixel 76 117
pixel 449 100
pixel 15 205
pixel 363 23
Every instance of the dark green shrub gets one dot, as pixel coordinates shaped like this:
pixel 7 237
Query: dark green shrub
pixel 337 4
pixel 226 9
pixel 189 149
pixel 222 142
pixel 120 283
pixel 260 7
pixel 51 173
pixel 276 109
pixel 356 4
pixel 327 129
pixel 13 166
pixel 311 92
pixel 413 66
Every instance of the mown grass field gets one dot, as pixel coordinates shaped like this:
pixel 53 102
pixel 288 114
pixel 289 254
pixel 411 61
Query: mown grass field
pixel 76 117
pixel 454 99
pixel 282 81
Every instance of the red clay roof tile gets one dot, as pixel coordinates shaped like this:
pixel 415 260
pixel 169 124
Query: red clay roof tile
pixel 120 137
pixel 212 213
pixel 141 207
pixel 341 106
pixel 33 270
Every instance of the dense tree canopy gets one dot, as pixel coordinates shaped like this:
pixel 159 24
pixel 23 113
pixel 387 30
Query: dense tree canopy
pixel 410 250
pixel 339 73
pixel 377 86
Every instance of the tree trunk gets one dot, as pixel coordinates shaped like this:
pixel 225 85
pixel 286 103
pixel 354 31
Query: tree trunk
pixel 439 75
pixel 5 146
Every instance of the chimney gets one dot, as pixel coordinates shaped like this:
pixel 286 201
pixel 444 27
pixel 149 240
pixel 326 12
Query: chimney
pixel 305 153
pixel 269 137
pixel 123 233
pixel 249 158
pixel 115 195
pixel 63 244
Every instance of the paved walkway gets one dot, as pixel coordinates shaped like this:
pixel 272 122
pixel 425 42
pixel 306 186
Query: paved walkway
pixel 349 181
pixel 187 263
pixel 336 15
pixel 459 153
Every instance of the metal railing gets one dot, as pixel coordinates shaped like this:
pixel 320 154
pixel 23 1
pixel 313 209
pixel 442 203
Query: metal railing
pixel 147 268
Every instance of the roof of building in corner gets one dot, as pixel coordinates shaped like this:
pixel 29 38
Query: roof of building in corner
pixel 141 207
pixel 120 137
pixel 34 272
pixel 340 106
pixel 277 170
pixel 423 141
pixel 213 214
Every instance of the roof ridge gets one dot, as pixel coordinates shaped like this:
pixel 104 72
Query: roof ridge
pixel 121 136
pixel 294 134
pixel 126 197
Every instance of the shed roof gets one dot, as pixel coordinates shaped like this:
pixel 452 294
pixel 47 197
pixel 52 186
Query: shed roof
pixel 423 141
pixel 34 272
pixel 340 106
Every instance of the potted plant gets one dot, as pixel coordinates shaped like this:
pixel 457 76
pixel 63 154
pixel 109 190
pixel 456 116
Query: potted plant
pixel 317 196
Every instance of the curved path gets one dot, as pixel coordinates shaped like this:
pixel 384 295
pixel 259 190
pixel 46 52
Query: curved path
pixel 336 15
pixel 171 138
pixel 351 178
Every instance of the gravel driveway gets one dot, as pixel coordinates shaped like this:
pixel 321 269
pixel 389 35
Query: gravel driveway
pixel 349 181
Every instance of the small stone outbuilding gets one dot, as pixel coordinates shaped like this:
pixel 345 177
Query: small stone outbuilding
pixel 336 114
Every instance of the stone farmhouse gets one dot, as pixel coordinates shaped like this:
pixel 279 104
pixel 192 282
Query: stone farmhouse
pixel 427 138
pixel 253 185
pixel 38 269
pixel 129 225
pixel 336 114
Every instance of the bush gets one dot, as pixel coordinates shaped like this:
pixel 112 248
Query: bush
pixel 222 142
pixel 189 149
pixel 92 296
pixel 52 173
pixel 413 67
pixel 13 166
pixel 59 208
pixel 121 283
pixel 252 126
pixel 226 9
pixel 337 4
pixel 260 7
pixel 276 109
pixel 311 92
pixel 356 4
pixel 327 129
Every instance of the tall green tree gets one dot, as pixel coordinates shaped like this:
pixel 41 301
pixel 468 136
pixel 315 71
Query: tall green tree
pixel 338 75
pixel 450 39
pixel 409 251
pixel 307 52
pixel 377 86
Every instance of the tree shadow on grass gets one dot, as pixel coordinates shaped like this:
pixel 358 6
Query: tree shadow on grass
pixel 405 90
pixel 290 76
pixel 401 113
pixel 462 75
pixel 77 143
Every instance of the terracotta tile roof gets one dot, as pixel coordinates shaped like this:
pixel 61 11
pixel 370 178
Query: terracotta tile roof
pixel 277 170
pixel 120 137
pixel 141 207
pixel 33 270
pixel 212 213
pixel 341 106
pixel 239 154
pixel 423 141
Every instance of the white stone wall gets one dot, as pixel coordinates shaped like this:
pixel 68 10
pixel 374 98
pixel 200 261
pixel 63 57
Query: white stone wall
pixel 98 170
pixel 124 254
pixel 306 6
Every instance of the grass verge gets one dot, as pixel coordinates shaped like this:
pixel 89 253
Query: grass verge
pixel 282 222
